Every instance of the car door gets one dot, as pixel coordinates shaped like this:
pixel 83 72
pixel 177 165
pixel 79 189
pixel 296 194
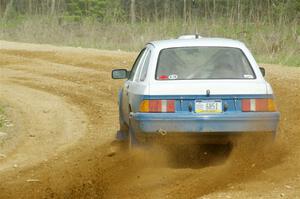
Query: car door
pixel 130 84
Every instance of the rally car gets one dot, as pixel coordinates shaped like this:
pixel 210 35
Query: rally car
pixel 195 86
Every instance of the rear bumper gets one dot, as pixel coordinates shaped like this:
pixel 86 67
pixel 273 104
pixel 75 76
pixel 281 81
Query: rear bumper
pixel 205 123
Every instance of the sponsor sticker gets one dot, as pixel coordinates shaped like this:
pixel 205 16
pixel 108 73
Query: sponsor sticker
pixel 173 76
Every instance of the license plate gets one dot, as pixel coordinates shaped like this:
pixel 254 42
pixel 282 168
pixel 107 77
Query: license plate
pixel 208 106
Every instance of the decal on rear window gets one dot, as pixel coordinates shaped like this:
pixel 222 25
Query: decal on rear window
pixel 174 76
pixel 163 77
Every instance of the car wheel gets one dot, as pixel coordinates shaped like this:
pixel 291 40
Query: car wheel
pixel 122 134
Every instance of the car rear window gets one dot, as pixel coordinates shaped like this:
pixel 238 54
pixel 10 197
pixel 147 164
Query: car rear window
pixel 187 63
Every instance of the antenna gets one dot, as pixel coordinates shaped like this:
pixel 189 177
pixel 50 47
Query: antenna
pixel 197 34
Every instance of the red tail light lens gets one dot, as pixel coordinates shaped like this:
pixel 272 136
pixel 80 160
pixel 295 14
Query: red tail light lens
pixel 157 106
pixel 258 105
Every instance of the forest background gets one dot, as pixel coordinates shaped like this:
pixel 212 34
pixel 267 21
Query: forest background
pixel 270 28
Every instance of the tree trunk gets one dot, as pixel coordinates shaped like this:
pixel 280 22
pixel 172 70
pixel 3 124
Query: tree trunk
pixel 184 11
pixel 155 11
pixel 239 10
pixel 52 7
pixel 227 8
pixel 132 11
pixel 166 10
pixel 8 9
pixel 214 7
pixel 205 9
pixel 30 7
pixel 189 11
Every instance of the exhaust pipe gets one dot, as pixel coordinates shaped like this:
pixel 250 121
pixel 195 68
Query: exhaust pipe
pixel 162 132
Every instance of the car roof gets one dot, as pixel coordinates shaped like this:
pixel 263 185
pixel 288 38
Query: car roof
pixel 202 41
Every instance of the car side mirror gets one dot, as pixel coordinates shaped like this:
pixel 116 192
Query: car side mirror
pixel 262 70
pixel 119 74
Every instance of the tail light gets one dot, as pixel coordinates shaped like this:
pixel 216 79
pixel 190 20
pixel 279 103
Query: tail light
pixel 157 106
pixel 258 105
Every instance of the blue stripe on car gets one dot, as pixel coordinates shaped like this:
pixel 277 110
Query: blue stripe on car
pixel 193 122
pixel 232 120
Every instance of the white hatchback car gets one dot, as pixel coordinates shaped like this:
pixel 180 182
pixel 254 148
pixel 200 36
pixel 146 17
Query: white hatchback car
pixel 195 86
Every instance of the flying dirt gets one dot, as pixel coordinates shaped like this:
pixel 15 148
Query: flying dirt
pixel 61 117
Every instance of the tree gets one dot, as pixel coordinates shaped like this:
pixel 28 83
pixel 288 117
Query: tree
pixel 155 10
pixel 53 7
pixel 184 10
pixel 132 11
pixel 9 10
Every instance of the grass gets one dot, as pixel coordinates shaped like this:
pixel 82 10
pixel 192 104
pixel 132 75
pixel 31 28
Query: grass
pixel 270 43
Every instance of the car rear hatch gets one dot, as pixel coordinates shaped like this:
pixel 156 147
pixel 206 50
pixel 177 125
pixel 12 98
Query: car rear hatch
pixel 206 96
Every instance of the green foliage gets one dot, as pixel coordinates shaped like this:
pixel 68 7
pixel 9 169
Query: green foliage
pixel 90 8
pixel 153 10
pixel 267 43
pixel 269 27
pixel 10 11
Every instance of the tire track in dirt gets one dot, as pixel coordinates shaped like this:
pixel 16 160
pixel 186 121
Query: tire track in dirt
pixel 80 78
pixel 41 125
pixel 81 89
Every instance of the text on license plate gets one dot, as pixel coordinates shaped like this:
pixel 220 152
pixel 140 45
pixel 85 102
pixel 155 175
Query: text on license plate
pixel 208 106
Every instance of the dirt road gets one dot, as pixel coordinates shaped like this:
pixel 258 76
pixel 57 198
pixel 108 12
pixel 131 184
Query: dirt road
pixel 62 108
